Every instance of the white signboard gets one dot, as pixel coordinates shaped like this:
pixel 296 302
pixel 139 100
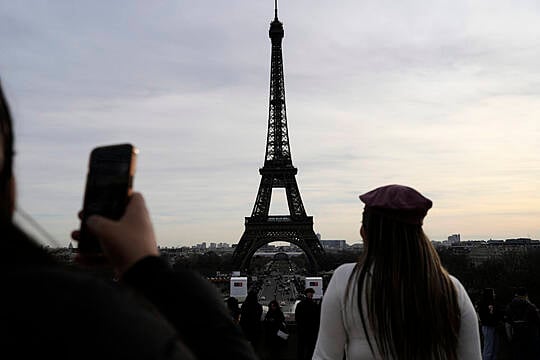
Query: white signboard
pixel 239 287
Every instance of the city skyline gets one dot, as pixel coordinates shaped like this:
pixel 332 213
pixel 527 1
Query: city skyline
pixel 442 97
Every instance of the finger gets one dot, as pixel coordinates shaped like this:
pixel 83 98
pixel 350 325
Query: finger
pixel 99 225
pixel 136 202
pixel 80 215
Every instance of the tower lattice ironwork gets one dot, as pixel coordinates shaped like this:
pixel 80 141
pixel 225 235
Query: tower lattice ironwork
pixel 278 172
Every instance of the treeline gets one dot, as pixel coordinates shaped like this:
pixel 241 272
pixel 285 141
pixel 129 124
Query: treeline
pixel 211 262
pixel 207 264
pixel 504 274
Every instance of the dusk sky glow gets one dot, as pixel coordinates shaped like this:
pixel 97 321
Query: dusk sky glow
pixel 442 96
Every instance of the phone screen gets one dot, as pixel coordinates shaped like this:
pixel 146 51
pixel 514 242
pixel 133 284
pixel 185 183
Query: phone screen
pixel 108 187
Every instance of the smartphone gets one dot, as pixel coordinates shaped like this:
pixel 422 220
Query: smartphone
pixel 109 185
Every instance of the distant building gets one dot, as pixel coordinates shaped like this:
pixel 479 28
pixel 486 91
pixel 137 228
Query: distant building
pixel 267 247
pixel 201 246
pixel 518 241
pixel 334 244
pixel 454 239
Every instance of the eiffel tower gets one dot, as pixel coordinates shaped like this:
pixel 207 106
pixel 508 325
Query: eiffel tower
pixel 278 172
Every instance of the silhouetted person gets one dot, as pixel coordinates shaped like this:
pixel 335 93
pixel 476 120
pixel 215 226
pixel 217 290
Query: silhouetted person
pixel 523 321
pixel 250 319
pixel 274 320
pixel 397 302
pixel 53 312
pixel 234 309
pixel 307 314
pixel 489 320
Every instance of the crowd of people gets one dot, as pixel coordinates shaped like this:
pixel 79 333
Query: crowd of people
pixel 516 324
pixel 396 302
pixel 268 331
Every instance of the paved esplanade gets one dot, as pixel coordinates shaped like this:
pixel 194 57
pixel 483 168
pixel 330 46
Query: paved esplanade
pixel 280 281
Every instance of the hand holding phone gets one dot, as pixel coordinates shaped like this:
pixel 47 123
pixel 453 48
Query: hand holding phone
pixel 129 240
pixel 108 187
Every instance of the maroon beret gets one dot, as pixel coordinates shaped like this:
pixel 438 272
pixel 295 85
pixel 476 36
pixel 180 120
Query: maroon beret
pixel 399 202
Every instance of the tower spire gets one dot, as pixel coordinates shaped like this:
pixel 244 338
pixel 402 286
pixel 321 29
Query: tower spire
pixel 275 9
pixel 277 145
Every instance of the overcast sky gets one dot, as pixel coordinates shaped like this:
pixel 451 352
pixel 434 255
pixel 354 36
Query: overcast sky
pixel 442 96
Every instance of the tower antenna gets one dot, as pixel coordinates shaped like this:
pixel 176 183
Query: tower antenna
pixel 275 9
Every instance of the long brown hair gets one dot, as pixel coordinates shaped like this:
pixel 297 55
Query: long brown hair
pixel 410 300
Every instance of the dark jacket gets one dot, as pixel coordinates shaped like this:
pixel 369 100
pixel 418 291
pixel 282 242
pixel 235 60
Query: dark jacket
pixel 250 320
pixel 49 311
pixel 193 307
pixel 523 314
pixel 60 313
pixel 307 317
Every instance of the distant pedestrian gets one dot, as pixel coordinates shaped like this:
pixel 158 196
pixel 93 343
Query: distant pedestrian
pixel 234 309
pixel 250 319
pixel 274 321
pixel 523 324
pixel 307 315
pixel 489 320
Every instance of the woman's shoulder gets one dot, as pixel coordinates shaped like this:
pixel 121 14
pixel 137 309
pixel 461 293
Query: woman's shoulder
pixel 457 284
pixel 343 272
pixel 345 269
pixel 462 295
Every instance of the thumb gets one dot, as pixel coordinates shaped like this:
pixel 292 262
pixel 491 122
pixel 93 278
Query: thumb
pixel 100 226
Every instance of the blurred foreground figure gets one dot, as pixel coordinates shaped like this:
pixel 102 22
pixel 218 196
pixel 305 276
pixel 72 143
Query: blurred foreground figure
pixel 397 302
pixel 50 311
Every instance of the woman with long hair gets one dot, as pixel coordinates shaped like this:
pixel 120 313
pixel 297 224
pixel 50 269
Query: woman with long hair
pixel 397 302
